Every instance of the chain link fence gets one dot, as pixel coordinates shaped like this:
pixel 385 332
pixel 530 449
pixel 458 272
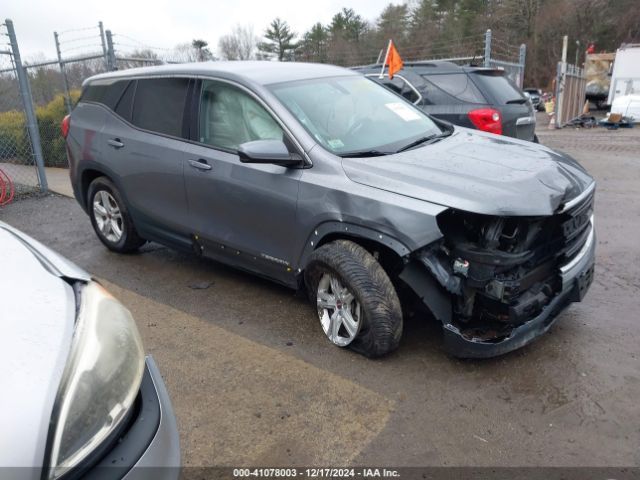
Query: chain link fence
pixel 481 49
pixel 18 173
pixel 35 96
pixel 55 84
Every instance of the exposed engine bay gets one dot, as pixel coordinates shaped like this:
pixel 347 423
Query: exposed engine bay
pixel 500 272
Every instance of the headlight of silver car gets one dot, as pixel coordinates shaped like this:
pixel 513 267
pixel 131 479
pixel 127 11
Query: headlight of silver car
pixel 100 381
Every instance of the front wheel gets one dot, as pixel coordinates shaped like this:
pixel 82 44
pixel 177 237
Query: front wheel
pixel 110 217
pixel 356 303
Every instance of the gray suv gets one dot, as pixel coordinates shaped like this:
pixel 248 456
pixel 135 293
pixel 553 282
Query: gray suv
pixel 322 180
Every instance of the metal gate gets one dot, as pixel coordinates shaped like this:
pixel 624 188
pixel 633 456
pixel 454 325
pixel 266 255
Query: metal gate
pixel 571 87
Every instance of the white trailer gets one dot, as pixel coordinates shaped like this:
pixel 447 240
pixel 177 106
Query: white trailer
pixel 625 77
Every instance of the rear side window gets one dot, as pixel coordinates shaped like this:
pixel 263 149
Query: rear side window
pixel 457 85
pixel 159 105
pixel 503 90
pixel 105 93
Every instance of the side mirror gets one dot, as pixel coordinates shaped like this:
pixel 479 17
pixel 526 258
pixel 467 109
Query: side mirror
pixel 268 151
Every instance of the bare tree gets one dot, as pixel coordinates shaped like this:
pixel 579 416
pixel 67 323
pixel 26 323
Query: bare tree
pixel 139 58
pixel 240 44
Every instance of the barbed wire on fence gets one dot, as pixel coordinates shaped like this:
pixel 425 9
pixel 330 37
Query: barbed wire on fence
pixel 53 85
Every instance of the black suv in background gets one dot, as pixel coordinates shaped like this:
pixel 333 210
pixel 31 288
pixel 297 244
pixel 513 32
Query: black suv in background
pixel 535 95
pixel 481 98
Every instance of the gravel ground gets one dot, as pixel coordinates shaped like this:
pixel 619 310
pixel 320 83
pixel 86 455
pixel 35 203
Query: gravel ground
pixel 254 382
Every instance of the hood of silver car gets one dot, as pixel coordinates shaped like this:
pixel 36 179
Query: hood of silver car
pixel 477 172
pixel 38 314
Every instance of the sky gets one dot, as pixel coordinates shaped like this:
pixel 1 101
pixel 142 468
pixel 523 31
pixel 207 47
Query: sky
pixel 160 23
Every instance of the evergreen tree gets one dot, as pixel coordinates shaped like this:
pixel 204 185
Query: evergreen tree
pixel 280 40
pixel 347 24
pixel 202 50
pixel 393 23
pixel 314 44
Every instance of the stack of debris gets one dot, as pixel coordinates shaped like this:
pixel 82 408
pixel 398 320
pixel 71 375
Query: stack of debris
pixel 613 121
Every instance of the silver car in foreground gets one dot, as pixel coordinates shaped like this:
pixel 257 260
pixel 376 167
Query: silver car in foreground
pixel 79 398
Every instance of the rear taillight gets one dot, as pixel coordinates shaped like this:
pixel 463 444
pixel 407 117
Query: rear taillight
pixel 487 120
pixel 65 126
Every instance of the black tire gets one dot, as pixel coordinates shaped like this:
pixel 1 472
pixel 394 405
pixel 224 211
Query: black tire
pixel 129 241
pixel 356 268
pixel 535 138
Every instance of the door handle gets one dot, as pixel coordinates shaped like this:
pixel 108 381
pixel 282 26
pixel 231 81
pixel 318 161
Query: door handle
pixel 200 164
pixel 115 143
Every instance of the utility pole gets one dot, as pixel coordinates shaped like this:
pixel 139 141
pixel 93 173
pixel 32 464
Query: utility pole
pixel 67 97
pixel 487 48
pixel 562 76
pixel 522 60
pixel 104 45
pixel 27 101
pixel 111 54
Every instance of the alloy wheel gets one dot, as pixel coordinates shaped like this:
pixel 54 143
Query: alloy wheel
pixel 108 216
pixel 339 311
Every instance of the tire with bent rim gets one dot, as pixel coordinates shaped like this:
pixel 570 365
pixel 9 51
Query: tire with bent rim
pixel 357 304
pixel 110 217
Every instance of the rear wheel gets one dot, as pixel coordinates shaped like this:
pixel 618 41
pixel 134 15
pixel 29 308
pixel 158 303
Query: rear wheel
pixel 356 303
pixel 110 217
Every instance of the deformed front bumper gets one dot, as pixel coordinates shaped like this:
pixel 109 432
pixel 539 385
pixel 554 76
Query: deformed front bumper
pixel 576 278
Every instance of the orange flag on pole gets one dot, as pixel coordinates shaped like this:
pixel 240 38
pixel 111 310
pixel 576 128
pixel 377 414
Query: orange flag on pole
pixel 392 58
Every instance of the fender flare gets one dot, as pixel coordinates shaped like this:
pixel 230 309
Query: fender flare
pixel 348 229
pixel 102 169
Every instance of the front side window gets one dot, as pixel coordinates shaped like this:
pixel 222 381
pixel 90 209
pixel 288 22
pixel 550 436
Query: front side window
pixel 230 117
pixel 353 114
pixel 159 105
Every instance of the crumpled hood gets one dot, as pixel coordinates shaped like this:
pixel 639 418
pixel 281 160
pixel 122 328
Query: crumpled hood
pixel 477 172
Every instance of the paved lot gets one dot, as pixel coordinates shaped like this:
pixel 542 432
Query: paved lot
pixel 254 382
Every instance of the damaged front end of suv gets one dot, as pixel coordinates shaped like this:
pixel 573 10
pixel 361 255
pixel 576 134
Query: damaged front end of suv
pixel 497 282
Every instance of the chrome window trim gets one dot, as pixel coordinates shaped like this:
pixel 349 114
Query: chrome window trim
pixel 404 80
pixel 305 156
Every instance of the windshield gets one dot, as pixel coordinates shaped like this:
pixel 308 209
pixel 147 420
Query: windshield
pixel 353 114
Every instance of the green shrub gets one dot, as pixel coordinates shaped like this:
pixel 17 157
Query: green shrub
pixel 14 137
pixel 14 141
pixel 49 120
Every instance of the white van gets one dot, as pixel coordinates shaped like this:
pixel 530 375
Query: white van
pixel 625 77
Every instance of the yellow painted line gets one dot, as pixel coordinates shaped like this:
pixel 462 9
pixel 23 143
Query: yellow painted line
pixel 239 402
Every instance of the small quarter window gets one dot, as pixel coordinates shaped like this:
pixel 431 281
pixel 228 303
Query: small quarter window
pixel 125 104
pixel 106 93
